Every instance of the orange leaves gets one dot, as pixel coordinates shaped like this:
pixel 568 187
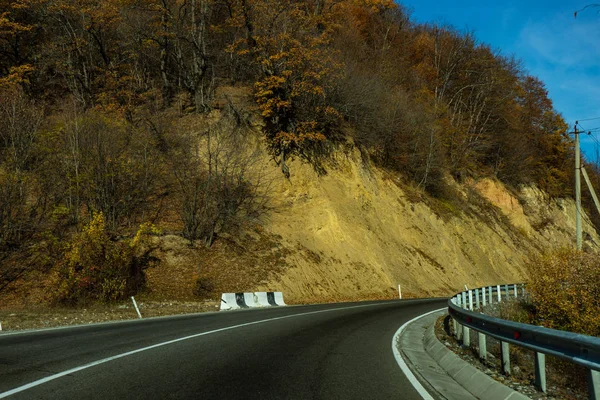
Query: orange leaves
pixel 295 69
pixel 17 75
pixel 564 289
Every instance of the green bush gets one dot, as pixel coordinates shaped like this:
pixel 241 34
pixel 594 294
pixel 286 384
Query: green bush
pixel 95 267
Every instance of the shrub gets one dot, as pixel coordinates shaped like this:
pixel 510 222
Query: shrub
pixel 99 268
pixel 564 286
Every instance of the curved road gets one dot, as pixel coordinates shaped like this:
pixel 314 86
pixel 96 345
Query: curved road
pixel 327 351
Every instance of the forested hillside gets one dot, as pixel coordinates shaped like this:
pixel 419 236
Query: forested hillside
pixel 108 129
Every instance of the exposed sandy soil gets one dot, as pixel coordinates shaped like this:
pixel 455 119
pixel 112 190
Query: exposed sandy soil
pixel 356 231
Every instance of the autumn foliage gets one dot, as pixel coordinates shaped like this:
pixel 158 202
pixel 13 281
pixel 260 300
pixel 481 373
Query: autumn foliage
pixel 92 95
pixel 95 267
pixel 564 290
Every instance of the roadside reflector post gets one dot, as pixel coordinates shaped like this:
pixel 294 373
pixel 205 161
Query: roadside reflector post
pixel 482 346
pixel 136 307
pixel 516 290
pixel 505 358
pixel 506 292
pixel 464 299
pixel 540 371
pixel 400 292
pixel 491 294
pixel 477 299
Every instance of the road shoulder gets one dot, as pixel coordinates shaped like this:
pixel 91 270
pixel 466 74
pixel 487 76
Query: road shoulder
pixel 443 373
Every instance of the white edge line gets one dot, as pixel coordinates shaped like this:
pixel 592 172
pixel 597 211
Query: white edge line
pixel 129 353
pixel 402 364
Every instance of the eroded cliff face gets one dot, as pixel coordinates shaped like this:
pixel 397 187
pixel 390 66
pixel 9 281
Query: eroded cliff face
pixel 355 233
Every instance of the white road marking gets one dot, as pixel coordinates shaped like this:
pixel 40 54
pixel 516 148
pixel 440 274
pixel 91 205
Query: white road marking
pixel 129 353
pixel 411 377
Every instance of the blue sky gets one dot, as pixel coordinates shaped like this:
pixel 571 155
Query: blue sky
pixel 561 50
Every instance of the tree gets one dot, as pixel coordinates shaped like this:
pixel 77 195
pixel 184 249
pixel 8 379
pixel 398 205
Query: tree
pixel 220 180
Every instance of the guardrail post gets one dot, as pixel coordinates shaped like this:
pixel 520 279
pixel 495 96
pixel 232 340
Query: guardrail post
pixel 506 291
pixel 505 358
pixel 464 300
pixel 477 299
pixel 515 287
pixel 482 346
pixel 483 296
pixel 470 300
pixel 540 371
pixel 466 336
pixel 491 294
pixel 593 384
pixel 498 292
pixel 523 290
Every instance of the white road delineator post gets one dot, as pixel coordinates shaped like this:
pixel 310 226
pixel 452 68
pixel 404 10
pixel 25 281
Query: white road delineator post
pixel 136 307
pixel 477 299
pixel 400 292
pixel 491 294
pixel 483 299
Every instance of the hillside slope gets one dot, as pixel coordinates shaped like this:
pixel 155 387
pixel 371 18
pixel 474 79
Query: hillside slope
pixel 355 233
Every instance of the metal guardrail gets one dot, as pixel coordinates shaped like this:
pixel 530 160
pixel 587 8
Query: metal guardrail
pixel 581 349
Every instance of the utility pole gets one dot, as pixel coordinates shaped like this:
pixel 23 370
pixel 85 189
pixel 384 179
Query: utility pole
pixel 577 189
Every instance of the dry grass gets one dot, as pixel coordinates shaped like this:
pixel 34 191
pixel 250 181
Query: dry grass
pixel 565 291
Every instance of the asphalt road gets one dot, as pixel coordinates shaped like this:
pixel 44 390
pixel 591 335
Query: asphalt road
pixel 328 351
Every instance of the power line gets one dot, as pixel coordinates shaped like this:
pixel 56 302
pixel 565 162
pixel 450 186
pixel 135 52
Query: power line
pixel 588 119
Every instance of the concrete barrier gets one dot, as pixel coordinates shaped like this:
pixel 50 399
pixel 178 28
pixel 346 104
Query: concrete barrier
pixel 279 298
pixel 249 300
pixel 239 299
pixel 235 301
pixel 228 302
pixel 262 299
pixel 271 298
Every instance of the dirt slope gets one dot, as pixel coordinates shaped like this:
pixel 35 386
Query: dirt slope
pixel 354 233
